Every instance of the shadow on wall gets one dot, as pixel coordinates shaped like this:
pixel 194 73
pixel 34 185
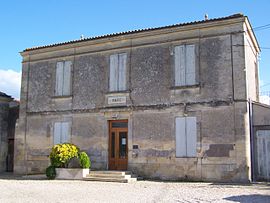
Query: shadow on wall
pixel 249 198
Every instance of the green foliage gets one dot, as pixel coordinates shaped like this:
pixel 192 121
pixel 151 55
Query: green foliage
pixel 84 160
pixel 50 172
pixel 62 153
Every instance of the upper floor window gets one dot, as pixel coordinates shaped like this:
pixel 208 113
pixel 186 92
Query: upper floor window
pixel 186 136
pixel 63 78
pixel 61 133
pixel 184 65
pixel 118 72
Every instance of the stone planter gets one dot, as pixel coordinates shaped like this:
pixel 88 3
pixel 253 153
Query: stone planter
pixel 71 173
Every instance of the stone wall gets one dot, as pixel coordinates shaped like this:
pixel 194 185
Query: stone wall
pixel 4 108
pixel 7 127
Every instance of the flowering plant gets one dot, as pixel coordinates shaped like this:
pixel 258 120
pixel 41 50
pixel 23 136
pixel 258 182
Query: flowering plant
pixel 62 153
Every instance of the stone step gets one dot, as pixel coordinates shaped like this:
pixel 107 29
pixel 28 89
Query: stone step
pixel 111 176
pixel 108 175
pixel 111 172
pixel 105 179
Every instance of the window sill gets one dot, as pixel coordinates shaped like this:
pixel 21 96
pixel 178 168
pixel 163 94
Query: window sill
pixel 118 92
pixel 62 97
pixel 184 87
pixel 186 157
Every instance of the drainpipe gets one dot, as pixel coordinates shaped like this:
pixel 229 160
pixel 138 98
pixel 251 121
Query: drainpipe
pixel 251 140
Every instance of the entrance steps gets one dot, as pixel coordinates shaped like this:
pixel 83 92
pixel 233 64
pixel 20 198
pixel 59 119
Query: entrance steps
pixel 111 176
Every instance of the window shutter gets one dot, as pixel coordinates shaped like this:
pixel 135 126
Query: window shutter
pixel 190 65
pixel 179 63
pixel 180 135
pixel 57 133
pixel 59 79
pixel 191 134
pixel 122 72
pixel 65 133
pixel 113 72
pixel 67 78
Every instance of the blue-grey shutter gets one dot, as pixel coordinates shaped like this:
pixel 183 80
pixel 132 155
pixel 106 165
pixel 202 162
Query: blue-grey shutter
pixel 113 72
pixel 59 79
pixel 57 133
pixel 65 132
pixel 67 78
pixel 191 133
pixel 180 135
pixel 122 71
pixel 179 65
pixel 190 65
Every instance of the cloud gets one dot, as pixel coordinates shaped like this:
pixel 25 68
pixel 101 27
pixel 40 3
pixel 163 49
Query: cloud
pixel 10 82
pixel 265 99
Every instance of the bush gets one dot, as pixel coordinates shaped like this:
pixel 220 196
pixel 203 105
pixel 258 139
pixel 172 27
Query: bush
pixel 84 160
pixel 62 153
pixel 50 172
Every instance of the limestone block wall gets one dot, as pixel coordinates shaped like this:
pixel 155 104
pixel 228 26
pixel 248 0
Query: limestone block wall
pixel 220 151
pixel 217 145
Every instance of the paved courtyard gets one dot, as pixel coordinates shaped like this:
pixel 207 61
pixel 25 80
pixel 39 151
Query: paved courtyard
pixel 23 190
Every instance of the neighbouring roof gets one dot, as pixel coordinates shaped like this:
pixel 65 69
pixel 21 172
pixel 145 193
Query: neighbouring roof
pixel 135 31
pixel 2 94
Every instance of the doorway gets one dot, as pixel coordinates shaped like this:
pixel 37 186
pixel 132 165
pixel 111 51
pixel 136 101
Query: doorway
pixel 262 157
pixel 118 145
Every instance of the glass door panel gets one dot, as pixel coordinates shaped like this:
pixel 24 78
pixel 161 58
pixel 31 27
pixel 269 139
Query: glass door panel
pixel 122 144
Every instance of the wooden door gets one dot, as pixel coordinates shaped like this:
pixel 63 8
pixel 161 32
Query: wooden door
pixel 118 145
pixel 10 155
pixel 263 155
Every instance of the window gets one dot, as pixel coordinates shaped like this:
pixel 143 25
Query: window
pixel 118 72
pixel 186 136
pixel 61 132
pixel 63 78
pixel 184 65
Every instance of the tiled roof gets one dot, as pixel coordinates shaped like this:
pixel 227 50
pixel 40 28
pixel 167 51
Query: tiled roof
pixel 135 31
pixel 2 94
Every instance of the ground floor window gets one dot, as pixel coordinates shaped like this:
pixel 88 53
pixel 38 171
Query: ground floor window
pixel 186 136
pixel 61 132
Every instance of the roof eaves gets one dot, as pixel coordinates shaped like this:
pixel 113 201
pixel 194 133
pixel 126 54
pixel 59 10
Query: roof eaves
pixel 2 94
pixel 134 31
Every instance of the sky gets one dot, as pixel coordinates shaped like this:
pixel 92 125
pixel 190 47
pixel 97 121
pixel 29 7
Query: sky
pixel 30 23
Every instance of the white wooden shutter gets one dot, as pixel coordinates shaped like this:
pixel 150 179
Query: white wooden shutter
pixel 179 63
pixel 65 132
pixel 122 71
pixel 190 65
pixel 180 135
pixel 113 72
pixel 57 133
pixel 59 79
pixel 191 134
pixel 67 78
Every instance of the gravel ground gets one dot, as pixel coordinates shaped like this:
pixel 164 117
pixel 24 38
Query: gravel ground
pixel 21 190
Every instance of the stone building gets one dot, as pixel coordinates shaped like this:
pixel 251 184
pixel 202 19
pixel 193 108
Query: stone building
pixel 168 103
pixel 9 111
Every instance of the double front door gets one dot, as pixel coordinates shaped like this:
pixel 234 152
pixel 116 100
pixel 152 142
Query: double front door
pixel 118 145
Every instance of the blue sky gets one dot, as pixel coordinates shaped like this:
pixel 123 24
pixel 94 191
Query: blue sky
pixel 32 23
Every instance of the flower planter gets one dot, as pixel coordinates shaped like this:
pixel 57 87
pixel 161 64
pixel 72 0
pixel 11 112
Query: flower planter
pixel 71 173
